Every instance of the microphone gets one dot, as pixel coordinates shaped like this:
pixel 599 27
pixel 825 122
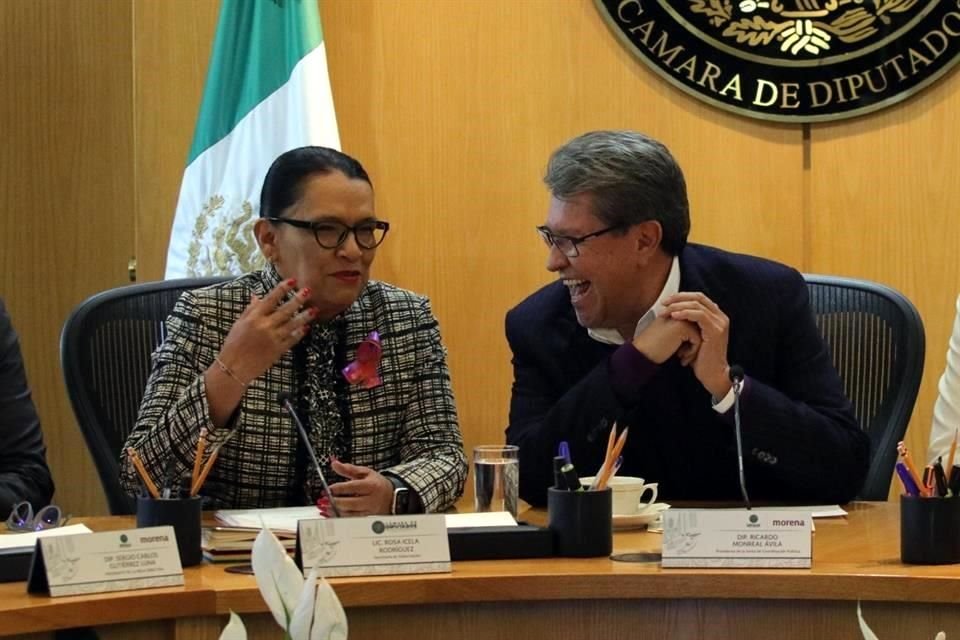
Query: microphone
pixel 736 377
pixel 285 400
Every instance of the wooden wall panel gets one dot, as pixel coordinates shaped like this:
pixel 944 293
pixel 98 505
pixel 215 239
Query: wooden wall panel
pixel 171 49
pixel 884 200
pixel 66 193
pixel 455 106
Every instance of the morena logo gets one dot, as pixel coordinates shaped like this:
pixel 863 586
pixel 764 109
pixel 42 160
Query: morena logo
pixel 789 523
pixel 754 519
pixel 378 526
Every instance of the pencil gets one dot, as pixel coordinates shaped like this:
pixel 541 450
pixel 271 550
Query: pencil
pixel 607 459
pixel 953 450
pixel 195 488
pixel 138 465
pixel 197 484
pixel 608 469
pixel 201 446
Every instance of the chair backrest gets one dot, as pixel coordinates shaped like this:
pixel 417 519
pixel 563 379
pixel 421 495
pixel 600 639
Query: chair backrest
pixel 876 339
pixel 105 353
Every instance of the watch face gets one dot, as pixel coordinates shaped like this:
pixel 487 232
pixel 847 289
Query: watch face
pixel 400 498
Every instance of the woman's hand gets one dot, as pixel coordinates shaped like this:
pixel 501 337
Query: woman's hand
pixel 261 335
pixel 365 493
pixel 266 330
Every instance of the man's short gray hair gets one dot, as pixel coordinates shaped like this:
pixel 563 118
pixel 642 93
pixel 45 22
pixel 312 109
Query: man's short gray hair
pixel 632 178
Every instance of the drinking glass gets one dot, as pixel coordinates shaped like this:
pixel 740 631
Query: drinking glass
pixel 496 477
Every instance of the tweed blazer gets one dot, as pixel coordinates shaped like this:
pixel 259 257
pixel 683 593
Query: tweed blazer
pixel 406 427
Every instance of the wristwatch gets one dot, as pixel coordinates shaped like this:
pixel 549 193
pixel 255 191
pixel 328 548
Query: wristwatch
pixel 405 499
pixel 401 501
pixel 401 496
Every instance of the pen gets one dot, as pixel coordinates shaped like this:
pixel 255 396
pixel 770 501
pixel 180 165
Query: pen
pixel 940 479
pixel 928 480
pixel 558 482
pixel 616 467
pixel 954 484
pixel 902 450
pixel 564 452
pixel 168 478
pixel 570 480
pixel 608 468
pixel 953 449
pixel 910 487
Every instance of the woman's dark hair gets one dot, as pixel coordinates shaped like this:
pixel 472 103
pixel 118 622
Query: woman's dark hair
pixel 283 185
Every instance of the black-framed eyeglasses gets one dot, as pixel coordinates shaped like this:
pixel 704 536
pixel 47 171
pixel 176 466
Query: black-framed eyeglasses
pixel 331 234
pixel 569 245
pixel 22 517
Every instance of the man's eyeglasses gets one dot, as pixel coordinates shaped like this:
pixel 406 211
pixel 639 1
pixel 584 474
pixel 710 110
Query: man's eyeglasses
pixel 331 234
pixel 569 245
pixel 22 517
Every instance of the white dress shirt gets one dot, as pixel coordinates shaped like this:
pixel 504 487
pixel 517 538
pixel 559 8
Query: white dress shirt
pixel 670 287
pixel 946 411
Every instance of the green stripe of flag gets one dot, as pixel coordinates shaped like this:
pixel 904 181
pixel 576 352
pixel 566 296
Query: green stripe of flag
pixel 257 45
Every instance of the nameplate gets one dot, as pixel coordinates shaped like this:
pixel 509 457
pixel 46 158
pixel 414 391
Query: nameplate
pixel 736 539
pixel 376 545
pixel 108 561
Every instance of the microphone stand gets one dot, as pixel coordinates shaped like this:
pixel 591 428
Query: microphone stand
pixel 736 377
pixel 285 402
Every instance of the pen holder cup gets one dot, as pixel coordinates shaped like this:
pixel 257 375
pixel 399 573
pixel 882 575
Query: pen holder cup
pixel 929 530
pixel 181 514
pixel 581 522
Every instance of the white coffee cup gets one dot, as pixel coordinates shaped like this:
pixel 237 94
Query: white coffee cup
pixel 631 495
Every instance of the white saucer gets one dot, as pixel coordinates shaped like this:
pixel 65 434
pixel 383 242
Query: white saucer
pixel 641 519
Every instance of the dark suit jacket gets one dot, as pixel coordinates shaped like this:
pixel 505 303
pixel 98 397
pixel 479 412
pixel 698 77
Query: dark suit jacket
pixel 23 466
pixel 800 438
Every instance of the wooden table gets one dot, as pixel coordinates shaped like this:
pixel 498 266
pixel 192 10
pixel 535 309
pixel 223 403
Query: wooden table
pixel 854 558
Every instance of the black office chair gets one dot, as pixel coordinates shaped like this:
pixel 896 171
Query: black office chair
pixel 105 351
pixel 877 341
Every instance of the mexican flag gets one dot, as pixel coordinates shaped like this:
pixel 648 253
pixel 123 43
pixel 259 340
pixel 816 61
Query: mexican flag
pixel 267 91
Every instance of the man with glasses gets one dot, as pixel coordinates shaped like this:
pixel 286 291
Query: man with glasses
pixel 642 328
pixel 24 475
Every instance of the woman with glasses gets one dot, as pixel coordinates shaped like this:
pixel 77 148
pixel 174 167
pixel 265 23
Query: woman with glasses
pixel 361 360
pixel 24 475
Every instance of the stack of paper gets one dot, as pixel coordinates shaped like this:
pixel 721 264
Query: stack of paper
pixel 232 540
pixel 281 519
pixel 233 544
pixel 16 550
pixel 14 543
